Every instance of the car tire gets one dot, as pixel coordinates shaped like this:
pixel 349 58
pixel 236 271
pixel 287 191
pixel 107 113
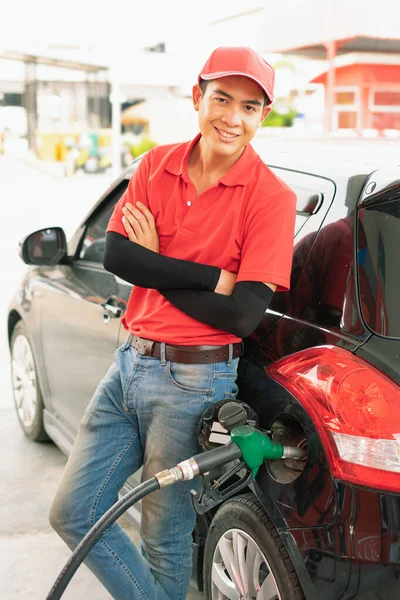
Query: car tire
pixel 26 391
pixel 242 523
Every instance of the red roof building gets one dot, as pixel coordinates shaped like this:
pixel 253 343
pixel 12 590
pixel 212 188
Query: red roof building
pixel 366 95
pixel 361 42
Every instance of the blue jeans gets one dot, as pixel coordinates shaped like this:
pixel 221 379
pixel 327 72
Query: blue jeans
pixel 144 413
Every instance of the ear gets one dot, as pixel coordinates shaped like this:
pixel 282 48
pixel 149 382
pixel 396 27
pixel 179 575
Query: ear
pixel 266 110
pixel 196 96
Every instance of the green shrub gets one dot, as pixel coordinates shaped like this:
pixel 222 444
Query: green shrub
pixel 279 119
pixel 144 145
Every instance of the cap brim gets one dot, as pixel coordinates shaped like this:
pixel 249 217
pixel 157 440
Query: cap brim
pixel 220 74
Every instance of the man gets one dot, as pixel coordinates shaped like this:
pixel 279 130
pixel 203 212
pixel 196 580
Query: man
pixel 205 233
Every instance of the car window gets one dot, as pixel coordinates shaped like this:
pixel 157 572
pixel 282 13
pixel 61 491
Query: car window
pixel 378 258
pixel 322 269
pixel 323 260
pixel 314 196
pixel 93 243
pixel 310 194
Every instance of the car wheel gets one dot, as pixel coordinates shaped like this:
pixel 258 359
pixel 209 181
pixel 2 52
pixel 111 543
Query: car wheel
pixel 245 557
pixel 27 397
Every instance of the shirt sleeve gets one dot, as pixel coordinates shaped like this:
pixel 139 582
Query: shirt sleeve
pixel 145 268
pixel 238 314
pixel 267 250
pixel 135 192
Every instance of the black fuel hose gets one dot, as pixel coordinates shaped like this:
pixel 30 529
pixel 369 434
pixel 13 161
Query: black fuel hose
pixel 188 469
pixel 87 543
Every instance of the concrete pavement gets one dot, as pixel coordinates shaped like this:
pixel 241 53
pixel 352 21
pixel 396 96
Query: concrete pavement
pixel 31 554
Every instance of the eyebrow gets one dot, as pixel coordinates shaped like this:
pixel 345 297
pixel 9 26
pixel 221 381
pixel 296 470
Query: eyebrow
pixel 222 93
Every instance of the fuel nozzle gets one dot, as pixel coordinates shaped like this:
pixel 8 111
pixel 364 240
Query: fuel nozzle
pixel 247 443
pixel 255 446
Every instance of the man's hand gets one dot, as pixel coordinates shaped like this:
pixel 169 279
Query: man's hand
pixel 140 226
pixel 226 283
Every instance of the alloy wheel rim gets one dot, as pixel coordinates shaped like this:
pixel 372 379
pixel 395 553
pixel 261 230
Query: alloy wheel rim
pixel 24 380
pixel 240 570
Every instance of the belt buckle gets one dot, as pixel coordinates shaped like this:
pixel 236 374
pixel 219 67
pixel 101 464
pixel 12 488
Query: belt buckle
pixel 140 345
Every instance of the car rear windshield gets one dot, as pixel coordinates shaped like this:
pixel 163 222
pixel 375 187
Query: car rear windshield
pixel 378 255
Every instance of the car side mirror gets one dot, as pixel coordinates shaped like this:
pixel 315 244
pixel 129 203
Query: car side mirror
pixel 44 247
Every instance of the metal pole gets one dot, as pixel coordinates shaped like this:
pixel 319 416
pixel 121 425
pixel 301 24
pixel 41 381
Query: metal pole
pixel 116 119
pixel 30 102
pixel 330 85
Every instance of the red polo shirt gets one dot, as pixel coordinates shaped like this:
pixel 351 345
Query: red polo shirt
pixel 244 223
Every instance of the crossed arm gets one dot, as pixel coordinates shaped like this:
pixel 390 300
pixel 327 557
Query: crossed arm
pixel 206 293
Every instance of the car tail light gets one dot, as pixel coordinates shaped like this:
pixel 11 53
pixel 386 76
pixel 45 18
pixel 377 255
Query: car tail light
pixel 355 409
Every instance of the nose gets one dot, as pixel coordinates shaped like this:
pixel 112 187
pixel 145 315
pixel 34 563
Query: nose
pixel 231 116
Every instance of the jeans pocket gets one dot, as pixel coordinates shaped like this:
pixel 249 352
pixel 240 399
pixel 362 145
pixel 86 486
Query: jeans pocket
pixel 224 387
pixel 193 379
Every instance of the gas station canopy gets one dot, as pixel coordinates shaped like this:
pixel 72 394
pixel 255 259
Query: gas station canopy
pixel 344 46
pixel 43 59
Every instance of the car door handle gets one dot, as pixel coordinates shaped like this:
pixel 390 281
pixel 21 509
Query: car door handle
pixel 111 311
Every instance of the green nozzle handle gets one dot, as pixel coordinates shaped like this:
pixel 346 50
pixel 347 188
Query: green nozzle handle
pixel 255 446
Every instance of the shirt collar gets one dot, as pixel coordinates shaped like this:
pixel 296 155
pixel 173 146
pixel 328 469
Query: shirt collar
pixel 239 174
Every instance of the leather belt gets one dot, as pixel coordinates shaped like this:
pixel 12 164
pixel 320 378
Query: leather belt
pixel 186 354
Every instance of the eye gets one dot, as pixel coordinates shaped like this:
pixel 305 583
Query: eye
pixel 220 100
pixel 249 108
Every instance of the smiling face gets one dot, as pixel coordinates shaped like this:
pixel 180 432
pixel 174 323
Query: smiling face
pixel 230 112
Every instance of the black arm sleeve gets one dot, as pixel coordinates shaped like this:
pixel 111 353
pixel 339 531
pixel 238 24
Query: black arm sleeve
pixel 239 313
pixel 148 269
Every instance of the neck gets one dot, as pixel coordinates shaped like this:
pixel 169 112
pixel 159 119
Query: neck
pixel 205 161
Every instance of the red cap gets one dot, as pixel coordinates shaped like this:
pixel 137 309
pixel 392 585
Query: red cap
pixel 244 61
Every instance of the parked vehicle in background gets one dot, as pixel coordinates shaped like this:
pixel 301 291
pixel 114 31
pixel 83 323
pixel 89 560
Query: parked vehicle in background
pixel 322 372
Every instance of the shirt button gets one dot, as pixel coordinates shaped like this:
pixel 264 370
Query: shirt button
pixel 189 203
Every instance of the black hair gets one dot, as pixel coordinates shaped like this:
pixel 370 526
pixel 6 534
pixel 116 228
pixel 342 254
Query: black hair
pixel 203 86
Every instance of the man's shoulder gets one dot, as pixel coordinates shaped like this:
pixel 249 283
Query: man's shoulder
pixel 267 182
pixel 266 189
pixel 166 151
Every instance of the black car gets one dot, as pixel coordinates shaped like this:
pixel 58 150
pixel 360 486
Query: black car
pixel 321 373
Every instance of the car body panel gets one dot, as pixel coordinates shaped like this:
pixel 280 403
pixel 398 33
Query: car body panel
pixel 74 333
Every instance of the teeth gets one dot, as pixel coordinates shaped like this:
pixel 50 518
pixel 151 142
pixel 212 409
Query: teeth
pixel 225 134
